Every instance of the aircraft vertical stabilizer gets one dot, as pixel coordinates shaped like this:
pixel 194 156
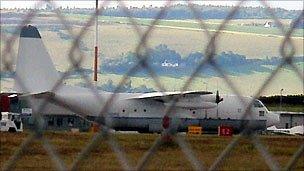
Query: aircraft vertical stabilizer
pixel 35 70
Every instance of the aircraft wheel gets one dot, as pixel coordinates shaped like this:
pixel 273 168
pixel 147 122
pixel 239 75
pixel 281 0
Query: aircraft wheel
pixel 11 130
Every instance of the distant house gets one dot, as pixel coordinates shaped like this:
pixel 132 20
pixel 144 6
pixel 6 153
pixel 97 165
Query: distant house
pixel 168 64
pixel 268 24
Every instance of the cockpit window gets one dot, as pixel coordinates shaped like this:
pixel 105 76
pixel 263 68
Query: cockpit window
pixel 258 104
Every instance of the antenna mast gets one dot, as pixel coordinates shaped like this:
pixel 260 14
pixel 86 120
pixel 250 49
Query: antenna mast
pixel 96 43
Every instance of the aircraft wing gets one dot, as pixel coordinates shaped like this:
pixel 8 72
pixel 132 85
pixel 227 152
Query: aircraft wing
pixel 39 95
pixel 165 96
pixel 187 99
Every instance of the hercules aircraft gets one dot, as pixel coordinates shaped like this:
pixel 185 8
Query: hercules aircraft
pixel 143 112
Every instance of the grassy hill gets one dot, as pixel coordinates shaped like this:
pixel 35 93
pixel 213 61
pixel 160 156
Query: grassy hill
pixel 242 26
pixel 118 37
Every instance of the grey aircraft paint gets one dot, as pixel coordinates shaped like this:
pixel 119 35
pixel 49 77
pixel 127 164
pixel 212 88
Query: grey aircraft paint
pixel 129 111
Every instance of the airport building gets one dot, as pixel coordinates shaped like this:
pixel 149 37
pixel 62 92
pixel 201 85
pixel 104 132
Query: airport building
pixel 290 119
pixel 57 121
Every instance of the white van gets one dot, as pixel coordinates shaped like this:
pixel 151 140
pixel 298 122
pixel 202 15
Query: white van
pixel 11 122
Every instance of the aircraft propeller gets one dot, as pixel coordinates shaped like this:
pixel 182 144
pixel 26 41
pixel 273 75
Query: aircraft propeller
pixel 218 98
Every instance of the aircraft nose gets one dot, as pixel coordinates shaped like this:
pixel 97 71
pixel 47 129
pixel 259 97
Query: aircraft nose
pixel 272 119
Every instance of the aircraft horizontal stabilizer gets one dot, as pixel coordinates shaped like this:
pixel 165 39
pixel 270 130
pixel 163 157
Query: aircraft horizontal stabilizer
pixel 296 130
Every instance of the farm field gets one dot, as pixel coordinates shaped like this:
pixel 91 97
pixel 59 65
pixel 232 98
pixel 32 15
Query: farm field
pixel 117 33
pixel 206 147
pixel 188 38
pixel 117 39
pixel 239 25
pixel 123 39
pixel 285 107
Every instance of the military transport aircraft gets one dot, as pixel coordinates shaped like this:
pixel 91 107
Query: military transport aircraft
pixel 144 112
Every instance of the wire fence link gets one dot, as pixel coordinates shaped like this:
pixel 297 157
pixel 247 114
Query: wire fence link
pixel 76 58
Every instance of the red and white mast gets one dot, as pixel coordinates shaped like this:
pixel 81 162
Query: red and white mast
pixel 96 44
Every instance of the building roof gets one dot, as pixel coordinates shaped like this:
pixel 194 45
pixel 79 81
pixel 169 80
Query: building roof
pixel 290 113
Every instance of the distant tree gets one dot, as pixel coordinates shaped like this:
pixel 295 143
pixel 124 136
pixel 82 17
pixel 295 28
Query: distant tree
pixel 165 61
pixel 180 11
pixel 289 99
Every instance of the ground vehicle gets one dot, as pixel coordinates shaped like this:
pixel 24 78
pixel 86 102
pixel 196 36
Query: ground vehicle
pixel 11 122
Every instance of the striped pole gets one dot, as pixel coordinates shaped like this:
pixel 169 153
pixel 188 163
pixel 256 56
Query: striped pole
pixel 96 43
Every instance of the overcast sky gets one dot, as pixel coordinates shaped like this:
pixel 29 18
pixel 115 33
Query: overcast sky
pixel 290 5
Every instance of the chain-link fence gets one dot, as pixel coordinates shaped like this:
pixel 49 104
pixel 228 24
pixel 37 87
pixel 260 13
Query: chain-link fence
pixel 76 57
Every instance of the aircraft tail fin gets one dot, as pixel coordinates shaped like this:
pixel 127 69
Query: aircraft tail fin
pixel 35 70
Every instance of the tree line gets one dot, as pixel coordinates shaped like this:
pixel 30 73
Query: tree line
pixel 167 62
pixel 178 11
pixel 289 99
pixel 181 11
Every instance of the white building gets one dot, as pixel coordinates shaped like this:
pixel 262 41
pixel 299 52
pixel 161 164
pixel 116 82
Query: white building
pixel 290 119
pixel 268 24
pixel 168 64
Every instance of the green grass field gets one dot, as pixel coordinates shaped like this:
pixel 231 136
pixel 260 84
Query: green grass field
pixel 194 24
pixel 123 38
pixel 285 107
pixel 168 157
pixel 119 39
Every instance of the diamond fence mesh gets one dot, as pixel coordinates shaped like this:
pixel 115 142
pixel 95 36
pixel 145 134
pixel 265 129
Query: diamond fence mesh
pixel 76 57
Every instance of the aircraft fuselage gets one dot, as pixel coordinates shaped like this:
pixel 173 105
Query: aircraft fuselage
pixel 125 113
